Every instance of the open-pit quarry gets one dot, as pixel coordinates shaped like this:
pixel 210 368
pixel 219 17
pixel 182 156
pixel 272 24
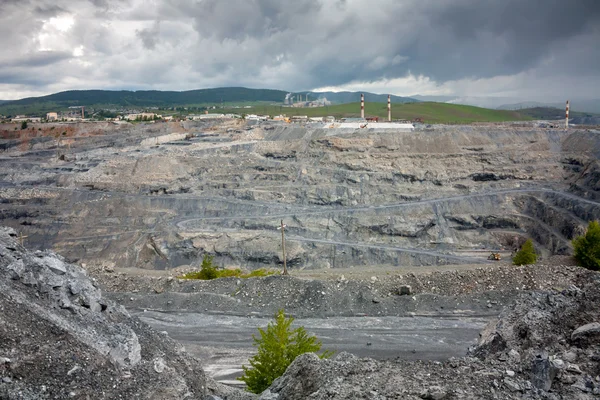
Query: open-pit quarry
pixel 387 240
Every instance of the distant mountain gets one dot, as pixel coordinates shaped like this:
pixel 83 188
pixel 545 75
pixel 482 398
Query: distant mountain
pixel 4 101
pixel 550 113
pixel 576 105
pixel 353 97
pixel 437 99
pixel 477 101
pixel 528 104
pixel 513 103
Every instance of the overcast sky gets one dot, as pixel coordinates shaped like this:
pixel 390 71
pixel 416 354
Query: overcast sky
pixel 532 49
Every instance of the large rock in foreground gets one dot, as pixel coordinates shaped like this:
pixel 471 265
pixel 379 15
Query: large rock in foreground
pixel 59 338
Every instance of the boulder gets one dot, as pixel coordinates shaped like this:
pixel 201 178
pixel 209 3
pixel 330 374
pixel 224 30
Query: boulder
pixel 586 331
pixel 543 372
pixel 404 290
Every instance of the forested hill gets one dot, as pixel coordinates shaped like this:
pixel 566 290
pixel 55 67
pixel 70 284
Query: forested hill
pixel 154 98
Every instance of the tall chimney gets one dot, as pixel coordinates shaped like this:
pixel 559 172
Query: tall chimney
pixel 362 105
pixel 389 108
pixel 567 120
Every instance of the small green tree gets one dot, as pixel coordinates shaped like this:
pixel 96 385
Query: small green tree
pixel 23 125
pixel 208 271
pixel 587 247
pixel 278 346
pixel 526 255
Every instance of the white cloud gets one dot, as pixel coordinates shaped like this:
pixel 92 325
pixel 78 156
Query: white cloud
pixel 61 23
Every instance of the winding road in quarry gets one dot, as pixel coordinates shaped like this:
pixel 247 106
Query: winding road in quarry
pixel 187 224
pixel 195 224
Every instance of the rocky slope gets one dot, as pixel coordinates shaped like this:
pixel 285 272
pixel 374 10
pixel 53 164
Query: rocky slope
pixel 544 346
pixel 60 338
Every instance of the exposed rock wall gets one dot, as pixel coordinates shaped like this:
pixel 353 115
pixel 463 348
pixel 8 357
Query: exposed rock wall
pixel 434 196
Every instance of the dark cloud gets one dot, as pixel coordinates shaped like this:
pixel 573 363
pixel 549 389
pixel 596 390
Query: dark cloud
pixel 49 10
pixel 487 38
pixel 239 19
pixel 149 36
pixel 37 59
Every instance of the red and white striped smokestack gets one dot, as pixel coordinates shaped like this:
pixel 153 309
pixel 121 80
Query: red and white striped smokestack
pixel 389 108
pixel 567 120
pixel 362 105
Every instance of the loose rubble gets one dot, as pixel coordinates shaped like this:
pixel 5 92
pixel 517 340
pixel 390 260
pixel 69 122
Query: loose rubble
pixel 544 346
pixel 60 338
pixel 476 291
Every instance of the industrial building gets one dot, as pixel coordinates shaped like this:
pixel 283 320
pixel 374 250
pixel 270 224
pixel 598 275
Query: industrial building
pixel 142 116
pixel 301 102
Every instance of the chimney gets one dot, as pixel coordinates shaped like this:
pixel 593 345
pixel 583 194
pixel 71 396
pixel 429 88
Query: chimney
pixel 362 105
pixel 389 108
pixel 567 120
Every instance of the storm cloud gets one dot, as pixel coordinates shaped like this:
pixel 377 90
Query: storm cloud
pixel 531 49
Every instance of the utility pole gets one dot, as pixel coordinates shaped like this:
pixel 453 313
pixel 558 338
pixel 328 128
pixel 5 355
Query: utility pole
pixel 282 227
pixel 22 238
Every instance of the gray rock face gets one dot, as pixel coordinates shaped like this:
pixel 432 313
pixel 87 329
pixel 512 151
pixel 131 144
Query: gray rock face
pixel 59 338
pixel 368 198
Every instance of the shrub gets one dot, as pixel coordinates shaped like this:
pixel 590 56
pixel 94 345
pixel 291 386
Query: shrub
pixel 587 247
pixel 526 255
pixel 23 125
pixel 209 271
pixel 278 346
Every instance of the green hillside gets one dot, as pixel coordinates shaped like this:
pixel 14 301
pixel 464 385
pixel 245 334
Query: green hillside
pixel 143 98
pixel 429 112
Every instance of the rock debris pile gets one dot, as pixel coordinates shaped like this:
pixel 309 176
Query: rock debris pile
pixel 60 338
pixel 479 291
pixel 546 345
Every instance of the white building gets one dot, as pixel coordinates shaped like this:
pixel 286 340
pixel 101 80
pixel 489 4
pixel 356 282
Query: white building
pixel 27 119
pixel 51 116
pixel 142 117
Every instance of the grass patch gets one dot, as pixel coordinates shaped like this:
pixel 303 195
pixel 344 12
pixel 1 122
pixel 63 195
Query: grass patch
pixel 229 273
pixel 209 271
